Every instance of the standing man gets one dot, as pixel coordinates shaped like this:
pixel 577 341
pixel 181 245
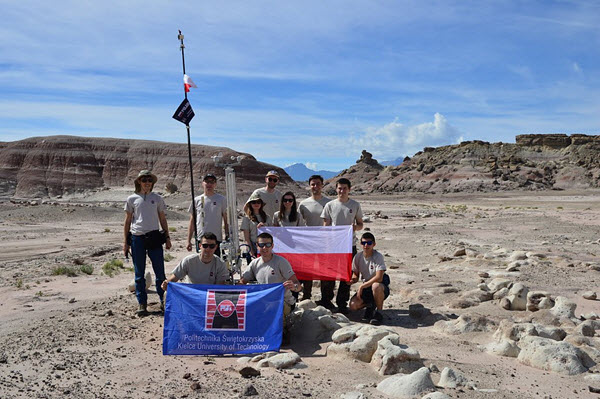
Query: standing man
pixel 342 211
pixel 311 209
pixel 144 211
pixel 202 268
pixel 370 265
pixel 268 194
pixel 211 209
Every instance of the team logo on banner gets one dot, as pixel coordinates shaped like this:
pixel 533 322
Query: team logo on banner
pixel 225 310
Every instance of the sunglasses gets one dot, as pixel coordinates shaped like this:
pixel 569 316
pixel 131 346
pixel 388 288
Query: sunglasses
pixel 288 200
pixel 366 243
pixel 146 180
pixel 273 179
pixel 255 202
pixel 211 246
pixel 265 244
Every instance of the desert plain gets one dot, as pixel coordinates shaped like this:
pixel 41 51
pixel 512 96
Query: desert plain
pixel 78 336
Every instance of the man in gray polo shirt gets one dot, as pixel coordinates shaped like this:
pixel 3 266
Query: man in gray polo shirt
pixel 211 212
pixel 203 268
pixel 311 209
pixel 268 194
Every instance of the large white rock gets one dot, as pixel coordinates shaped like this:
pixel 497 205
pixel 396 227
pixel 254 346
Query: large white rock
pixel 546 354
pixel 451 378
pixel 358 344
pixel 352 395
pixel 517 295
pixel 407 385
pixel 517 255
pixel 391 357
pixel 465 324
pixel 498 283
pixel 505 347
pixel 564 308
pixel 436 395
pixel 147 277
pixel 314 324
pixel 283 360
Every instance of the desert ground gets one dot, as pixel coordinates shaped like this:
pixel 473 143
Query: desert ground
pixel 63 336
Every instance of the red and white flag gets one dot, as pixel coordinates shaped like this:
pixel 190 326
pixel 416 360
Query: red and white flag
pixel 315 253
pixel 188 82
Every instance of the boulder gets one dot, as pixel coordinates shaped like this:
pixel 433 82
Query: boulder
pixel 436 395
pixel 283 360
pixel 546 354
pixel 147 277
pixel 504 347
pixel 358 344
pixel 391 357
pixel 498 283
pixel 517 295
pixel 465 324
pixel 564 308
pixel 591 295
pixel 517 255
pixel 407 385
pixel 450 378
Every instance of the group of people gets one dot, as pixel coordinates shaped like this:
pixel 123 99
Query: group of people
pixel 266 206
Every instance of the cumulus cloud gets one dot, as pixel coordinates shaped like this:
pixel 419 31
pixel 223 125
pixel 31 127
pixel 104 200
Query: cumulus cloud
pixel 311 165
pixel 394 139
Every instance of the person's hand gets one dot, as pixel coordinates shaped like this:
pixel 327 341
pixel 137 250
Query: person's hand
pixel 125 249
pixel 189 246
pixel 353 280
pixel 164 285
pixel 168 244
pixel 359 292
pixel 261 224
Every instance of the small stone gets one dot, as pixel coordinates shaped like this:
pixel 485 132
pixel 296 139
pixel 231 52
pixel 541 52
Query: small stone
pixel 250 391
pixel 483 274
pixel 248 372
pixel 195 386
pixel 187 376
pixel 460 252
pixel 591 295
pixel 505 303
pixel 72 300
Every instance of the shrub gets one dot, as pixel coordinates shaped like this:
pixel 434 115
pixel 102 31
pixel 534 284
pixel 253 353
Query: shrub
pixel 87 269
pixel 169 257
pixel 171 188
pixel 106 230
pixel 112 267
pixel 64 271
pixel 172 229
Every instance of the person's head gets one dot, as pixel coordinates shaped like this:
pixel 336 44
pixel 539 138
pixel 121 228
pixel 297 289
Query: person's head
pixel 209 182
pixel 342 186
pixel 264 242
pixel 145 181
pixel 316 184
pixel 367 241
pixel 255 206
pixel 208 244
pixel 272 178
pixel 288 205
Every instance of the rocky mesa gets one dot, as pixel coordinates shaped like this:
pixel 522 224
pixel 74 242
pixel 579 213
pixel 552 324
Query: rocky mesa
pixel 61 165
pixel 534 162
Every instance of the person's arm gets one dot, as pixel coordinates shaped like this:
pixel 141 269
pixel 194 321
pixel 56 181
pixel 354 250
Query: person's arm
pixel 358 224
pixel 293 284
pixel 126 228
pixel 172 279
pixel 190 233
pixel 163 224
pixel 377 278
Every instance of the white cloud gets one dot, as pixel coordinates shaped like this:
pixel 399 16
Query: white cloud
pixel 311 165
pixel 394 139
pixel 577 68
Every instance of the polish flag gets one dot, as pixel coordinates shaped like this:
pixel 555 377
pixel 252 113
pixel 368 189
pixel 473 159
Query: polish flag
pixel 315 253
pixel 188 82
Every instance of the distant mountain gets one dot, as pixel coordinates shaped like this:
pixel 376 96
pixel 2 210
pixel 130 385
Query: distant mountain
pixel 394 162
pixel 300 172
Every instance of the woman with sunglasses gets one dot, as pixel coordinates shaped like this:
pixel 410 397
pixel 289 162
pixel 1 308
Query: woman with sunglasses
pixel 254 217
pixel 288 214
pixel 144 215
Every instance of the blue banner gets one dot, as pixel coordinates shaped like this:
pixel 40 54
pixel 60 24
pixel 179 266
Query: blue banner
pixel 222 319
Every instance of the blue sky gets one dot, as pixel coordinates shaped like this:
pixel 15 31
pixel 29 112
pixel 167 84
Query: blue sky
pixel 314 82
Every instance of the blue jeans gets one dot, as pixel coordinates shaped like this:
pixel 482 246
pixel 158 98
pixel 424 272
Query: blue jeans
pixel 138 255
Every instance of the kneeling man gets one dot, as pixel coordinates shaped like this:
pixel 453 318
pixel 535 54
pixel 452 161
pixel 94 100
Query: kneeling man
pixel 270 268
pixel 202 268
pixel 369 265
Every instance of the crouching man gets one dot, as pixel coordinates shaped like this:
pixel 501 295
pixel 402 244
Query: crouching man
pixel 270 268
pixel 202 268
pixel 370 266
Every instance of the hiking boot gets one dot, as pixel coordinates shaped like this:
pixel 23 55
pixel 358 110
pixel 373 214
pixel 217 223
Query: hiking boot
pixel 343 310
pixel 142 310
pixel 377 319
pixel 368 315
pixel 326 304
pixel 162 305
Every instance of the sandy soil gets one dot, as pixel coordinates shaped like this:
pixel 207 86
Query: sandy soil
pixel 78 336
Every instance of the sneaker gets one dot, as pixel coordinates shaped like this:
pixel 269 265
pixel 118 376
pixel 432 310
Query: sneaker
pixel 142 310
pixel 326 304
pixel 343 310
pixel 368 315
pixel 377 319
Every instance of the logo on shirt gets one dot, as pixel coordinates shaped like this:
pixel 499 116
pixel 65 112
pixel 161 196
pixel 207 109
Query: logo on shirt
pixel 215 203
pixel 152 201
pixel 350 210
pixel 273 272
pixel 225 310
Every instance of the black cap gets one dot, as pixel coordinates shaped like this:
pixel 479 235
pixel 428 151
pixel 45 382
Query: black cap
pixel 209 176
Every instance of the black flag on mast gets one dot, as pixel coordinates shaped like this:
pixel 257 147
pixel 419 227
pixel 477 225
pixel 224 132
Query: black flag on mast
pixel 184 113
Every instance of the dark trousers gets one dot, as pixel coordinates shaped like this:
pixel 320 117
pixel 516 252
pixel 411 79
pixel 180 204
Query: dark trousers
pixel 343 294
pixel 306 290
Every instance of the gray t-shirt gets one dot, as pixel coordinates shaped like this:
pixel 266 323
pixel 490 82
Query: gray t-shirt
pixel 145 209
pixel 367 267
pixel 209 218
pixel 286 220
pixel 271 200
pixel 199 272
pixel 248 224
pixel 342 213
pixel 311 210
pixel 277 270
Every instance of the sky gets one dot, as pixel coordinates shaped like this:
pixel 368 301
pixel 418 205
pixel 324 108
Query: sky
pixel 314 82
